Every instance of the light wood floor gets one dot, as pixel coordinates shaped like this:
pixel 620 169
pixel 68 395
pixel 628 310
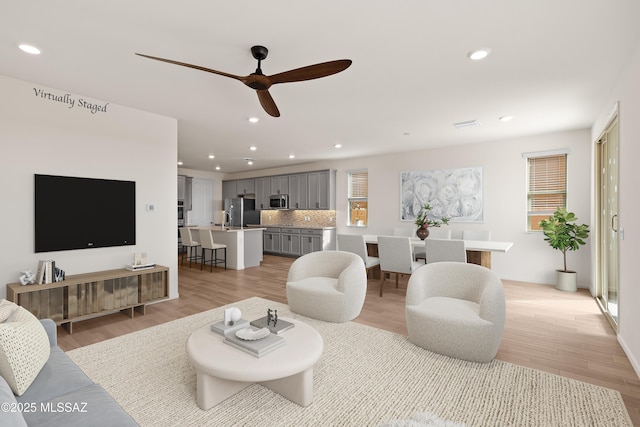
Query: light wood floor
pixel 553 331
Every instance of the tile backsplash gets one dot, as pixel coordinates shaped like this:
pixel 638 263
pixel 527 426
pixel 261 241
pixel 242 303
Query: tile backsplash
pixel 299 218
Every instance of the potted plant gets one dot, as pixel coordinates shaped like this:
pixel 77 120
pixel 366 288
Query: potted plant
pixel 423 222
pixel 562 233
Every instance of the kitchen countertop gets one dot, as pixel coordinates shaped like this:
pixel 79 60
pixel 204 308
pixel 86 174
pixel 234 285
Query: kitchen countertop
pixel 310 227
pixel 229 229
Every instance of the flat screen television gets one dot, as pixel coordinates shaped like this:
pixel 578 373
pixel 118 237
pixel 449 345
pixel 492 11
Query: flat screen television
pixel 81 213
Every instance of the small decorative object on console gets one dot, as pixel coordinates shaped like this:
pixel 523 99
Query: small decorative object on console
pixel 27 277
pixel 139 258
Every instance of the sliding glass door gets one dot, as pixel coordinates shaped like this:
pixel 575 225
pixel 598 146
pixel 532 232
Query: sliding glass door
pixel 608 233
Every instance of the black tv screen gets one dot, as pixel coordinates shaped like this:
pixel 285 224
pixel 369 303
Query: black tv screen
pixel 81 213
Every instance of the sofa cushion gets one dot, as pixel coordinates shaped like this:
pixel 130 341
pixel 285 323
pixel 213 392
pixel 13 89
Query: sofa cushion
pixel 88 406
pixel 57 377
pixel 10 416
pixel 24 349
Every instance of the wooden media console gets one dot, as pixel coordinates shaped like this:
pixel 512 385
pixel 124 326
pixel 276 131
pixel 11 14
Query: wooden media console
pixel 85 296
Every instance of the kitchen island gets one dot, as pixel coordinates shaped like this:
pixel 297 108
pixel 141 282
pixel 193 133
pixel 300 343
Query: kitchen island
pixel 244 245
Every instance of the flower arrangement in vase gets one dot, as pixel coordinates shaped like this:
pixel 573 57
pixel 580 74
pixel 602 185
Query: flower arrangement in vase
pixel 423 222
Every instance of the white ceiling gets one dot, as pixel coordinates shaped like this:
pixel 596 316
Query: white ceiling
pixel 552 65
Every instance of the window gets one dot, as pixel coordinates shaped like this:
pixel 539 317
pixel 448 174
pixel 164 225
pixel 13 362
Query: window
pixel 358 198
pixel 547 186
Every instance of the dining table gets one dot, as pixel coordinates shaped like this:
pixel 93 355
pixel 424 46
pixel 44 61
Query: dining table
pixel 478 251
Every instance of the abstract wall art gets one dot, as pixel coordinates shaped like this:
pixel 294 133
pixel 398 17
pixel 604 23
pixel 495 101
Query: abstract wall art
pixel 454 193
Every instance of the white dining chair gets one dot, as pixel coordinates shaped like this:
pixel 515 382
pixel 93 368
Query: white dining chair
pixel 404 231
pixel 189 244
pixel 476 235
pixel 207 244
pixel 440 250
pixel 355 244
pixel 396 256
pixel 434 233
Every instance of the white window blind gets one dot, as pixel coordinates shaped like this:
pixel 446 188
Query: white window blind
pixel 358 194
pixel 359 184
pixel 547 191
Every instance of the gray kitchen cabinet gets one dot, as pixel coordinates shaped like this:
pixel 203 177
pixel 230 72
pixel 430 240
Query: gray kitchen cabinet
pixel 298 189
pixel 290 238
pixel 263 191
pixel 245 186
pixel 322 189
pixel 311 240
pixel 280 184
pixel 181 186
pixel 272 241
pixel 229 189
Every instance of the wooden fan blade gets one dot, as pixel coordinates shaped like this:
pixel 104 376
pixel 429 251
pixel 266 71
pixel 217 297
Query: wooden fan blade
pixel 268 103
pixel 311 72
pixel 196 67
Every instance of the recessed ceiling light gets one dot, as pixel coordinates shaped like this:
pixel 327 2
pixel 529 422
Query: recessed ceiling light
pixel 179 163
pixel 467 124
pixel 253 148
pixel 337 145
pixel 211 156
pixel 478 54
pixel 253 120
pixel 505 118
pixel 248 160
pixel 29 49
pixel 292 156
pixel 217 168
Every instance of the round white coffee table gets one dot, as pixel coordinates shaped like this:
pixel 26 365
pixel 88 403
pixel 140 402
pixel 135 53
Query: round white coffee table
pixel 223 370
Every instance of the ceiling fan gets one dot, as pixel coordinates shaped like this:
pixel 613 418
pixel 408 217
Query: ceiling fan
pixel 262 83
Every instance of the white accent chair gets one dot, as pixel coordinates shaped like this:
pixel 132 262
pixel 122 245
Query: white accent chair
pixel 476 235
pixel 207 244
pixel 355 243
pixel 439 250
pixel 456 309
pixel 327 285
pixel 189 245
pixel 434 233
pixel 396 256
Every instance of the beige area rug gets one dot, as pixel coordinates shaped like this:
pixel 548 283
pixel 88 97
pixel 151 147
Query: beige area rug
pixel 366 377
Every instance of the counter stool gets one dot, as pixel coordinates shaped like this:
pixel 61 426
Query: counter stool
pixel 189 245
pixel 208 244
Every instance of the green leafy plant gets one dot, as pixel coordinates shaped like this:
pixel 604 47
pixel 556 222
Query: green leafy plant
pixel 563 234
pixel 422 219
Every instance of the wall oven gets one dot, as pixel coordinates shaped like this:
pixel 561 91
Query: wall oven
pixel 181 213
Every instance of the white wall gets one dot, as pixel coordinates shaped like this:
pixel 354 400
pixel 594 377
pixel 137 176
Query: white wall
pixel 627 93
pixel 504 169
pixel 41 135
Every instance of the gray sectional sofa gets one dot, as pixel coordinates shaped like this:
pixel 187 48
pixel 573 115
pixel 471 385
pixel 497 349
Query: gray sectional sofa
pixel 61 395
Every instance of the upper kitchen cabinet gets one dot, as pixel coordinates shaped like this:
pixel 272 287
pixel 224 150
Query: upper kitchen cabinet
pixel 185 184
pixel 298 190
pixel 263 191
pixel 245 186
pixel 322 189
pixel 181 186
pixel 280 184
pixel 229 189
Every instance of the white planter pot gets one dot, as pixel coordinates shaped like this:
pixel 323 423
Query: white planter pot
pixel 566 281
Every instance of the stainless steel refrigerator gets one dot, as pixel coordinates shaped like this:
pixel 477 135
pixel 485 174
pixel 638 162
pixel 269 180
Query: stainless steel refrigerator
pixel 240 211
